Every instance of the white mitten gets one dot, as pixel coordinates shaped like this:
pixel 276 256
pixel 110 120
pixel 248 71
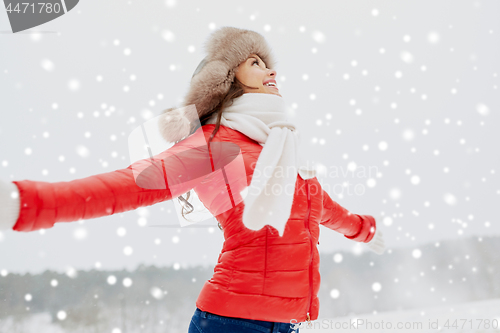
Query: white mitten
pixel 377 244
pixel 9 205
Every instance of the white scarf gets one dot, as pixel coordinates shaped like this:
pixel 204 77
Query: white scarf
pixel 262 117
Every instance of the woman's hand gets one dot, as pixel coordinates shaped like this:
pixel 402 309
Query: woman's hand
pixel 9 205
pixel 376 244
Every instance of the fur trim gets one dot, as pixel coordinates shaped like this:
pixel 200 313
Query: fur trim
pixel 175 123
pixel 226 48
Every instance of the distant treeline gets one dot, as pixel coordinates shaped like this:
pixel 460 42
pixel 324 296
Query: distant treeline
pixel 450 271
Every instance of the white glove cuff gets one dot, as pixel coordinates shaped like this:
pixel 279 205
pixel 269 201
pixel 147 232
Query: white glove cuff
pixel 377 225
pixel 10 205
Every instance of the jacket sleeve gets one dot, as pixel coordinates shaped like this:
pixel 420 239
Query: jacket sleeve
pixel 360 228
pixel 146 182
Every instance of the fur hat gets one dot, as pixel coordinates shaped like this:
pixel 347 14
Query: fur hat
pixel 226 48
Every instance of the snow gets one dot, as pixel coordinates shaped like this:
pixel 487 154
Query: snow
pixel 470 317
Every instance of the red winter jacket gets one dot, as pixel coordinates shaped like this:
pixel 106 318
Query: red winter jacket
pixel 259 275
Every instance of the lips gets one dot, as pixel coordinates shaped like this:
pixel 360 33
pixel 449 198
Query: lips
pixel 273 81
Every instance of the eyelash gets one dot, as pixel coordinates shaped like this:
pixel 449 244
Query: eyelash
pixel 256 61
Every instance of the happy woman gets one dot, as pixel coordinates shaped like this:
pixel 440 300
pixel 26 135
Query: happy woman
pixel 267 275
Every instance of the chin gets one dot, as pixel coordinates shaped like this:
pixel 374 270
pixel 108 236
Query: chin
pixel 272 93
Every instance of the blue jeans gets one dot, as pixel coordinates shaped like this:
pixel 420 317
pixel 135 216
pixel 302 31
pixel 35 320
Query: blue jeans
pixel 206 322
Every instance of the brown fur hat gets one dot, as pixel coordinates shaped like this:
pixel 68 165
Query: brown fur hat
pixel 226 48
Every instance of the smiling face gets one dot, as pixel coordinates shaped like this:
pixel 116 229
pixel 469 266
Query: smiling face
pixel 254 73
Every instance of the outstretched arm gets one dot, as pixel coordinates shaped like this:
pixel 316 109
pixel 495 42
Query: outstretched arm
pixel 44 203
pixel 145 182
pixel 360 228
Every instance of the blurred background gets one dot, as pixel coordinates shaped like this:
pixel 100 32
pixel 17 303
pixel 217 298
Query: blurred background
pixel 397 104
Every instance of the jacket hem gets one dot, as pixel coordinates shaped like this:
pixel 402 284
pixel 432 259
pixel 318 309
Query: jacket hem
pixel 220 301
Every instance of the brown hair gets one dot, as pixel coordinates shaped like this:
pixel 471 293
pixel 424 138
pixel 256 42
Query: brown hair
pixel 236 90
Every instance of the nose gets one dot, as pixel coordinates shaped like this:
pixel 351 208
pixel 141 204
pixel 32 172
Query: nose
pixel 272 73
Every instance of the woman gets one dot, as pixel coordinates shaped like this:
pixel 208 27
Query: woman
pixel 267 275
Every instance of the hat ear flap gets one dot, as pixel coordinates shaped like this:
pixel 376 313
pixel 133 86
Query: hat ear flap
pixel 209 86
pixel 175 123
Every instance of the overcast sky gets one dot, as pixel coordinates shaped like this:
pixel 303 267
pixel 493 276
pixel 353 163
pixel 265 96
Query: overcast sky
pixel 406 91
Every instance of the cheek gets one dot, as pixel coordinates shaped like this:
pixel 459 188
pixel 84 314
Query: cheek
pixel 250 76
pixel 256 76
pixel 238 75
pixel 243 75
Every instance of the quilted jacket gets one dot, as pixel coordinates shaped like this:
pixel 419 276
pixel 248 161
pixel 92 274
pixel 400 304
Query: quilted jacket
pixel 259 275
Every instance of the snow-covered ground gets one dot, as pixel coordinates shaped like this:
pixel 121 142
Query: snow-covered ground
pixel 481 316
pixel 39 322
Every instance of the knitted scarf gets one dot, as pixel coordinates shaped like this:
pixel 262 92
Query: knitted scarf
pixel 269 198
